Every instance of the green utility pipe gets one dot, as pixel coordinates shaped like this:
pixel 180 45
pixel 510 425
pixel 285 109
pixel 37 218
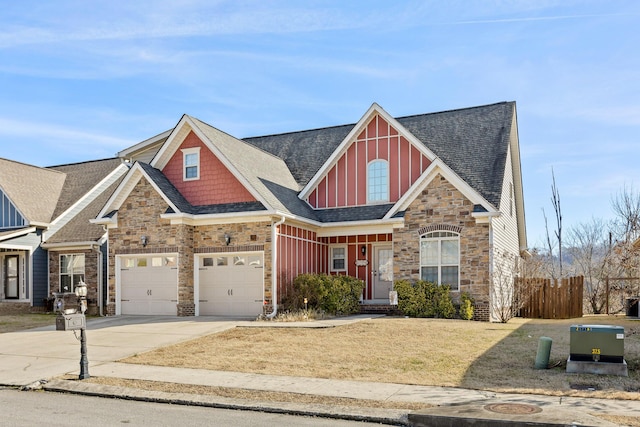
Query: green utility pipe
pixel 544 351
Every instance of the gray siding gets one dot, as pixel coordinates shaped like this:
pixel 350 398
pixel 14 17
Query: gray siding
pixel 40 261
pixel 10 217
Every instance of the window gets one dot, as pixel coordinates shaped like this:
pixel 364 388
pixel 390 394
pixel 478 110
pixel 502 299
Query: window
pixel 71 271
pixel 378 181
pixel 440 258
pixel 338 258
pixel 191 161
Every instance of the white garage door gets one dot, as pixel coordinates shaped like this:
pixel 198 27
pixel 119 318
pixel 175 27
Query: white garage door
pixel 149 284
pixel 231 284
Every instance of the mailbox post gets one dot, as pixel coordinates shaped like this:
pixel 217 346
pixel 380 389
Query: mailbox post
pixel 81 291
pixel 69 319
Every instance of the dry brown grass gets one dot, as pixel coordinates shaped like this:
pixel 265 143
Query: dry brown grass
pixel 20 322
pixel 497 357
pixel 254 395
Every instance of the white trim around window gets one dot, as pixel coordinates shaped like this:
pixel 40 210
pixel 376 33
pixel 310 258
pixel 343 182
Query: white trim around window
pixel 378 181
pixel 338 258
pixel 71 271
pixel 191 163
pixel 440 258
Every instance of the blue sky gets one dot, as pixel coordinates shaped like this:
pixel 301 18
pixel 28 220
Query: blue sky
pixel 83 80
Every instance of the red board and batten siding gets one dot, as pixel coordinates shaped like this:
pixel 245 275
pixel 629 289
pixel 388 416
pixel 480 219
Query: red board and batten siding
pixel 301 251
pixel 354 247
pixel 345 184
pixel 216 184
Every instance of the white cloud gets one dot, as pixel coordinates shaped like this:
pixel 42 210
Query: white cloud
pixel 56 136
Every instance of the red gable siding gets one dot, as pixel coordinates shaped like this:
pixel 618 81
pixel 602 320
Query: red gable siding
pixel 345 184
pixel 216 185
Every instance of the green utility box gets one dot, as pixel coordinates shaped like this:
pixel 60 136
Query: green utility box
pixel 596 343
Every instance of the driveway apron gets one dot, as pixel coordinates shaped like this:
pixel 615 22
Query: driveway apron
pixel 36 354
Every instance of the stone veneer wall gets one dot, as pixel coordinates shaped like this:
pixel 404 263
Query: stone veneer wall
pixel 90 275
pixel 140 215
pixel 442 206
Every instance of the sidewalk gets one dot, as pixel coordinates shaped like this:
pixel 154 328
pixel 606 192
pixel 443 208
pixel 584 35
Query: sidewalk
pixel 447 402
pixel 114 338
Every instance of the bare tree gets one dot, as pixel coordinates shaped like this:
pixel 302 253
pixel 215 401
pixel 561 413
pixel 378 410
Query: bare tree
pixel 626 207
pixel 551 264
pixel 588 250
pixel 555 201
pixel 515 280
pixel 505 270
pixel 625 243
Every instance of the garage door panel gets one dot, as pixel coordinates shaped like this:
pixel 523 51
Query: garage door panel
pixel 231 284
pixel 149 285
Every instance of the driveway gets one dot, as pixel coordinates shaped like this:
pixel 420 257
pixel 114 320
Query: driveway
pixel 42 353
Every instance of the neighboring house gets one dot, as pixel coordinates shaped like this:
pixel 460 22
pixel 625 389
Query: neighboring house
pixel 47 243
pixel 208 224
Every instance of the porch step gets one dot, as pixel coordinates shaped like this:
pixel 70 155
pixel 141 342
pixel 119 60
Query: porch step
pixel 389 310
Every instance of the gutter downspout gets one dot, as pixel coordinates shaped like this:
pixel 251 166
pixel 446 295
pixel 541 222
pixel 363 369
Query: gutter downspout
pixel 99 278
pixel 274 260
pixel 491 270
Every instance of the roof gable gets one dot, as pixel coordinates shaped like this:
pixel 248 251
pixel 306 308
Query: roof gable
pixel 344 181
pixel 10 215
pixel 473 142
pixel 360 132
pixel 163 187
pixel 254 168
pixel 34 191
pixel 215 184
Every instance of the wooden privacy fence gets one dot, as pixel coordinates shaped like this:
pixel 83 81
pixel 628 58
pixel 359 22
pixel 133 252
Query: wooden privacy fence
pixel 547 299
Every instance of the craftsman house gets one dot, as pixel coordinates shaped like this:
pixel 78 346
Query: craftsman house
pixel 204 223
pixel 47 243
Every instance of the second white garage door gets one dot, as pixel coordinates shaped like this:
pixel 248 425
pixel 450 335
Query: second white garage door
pixel 231 284
pixel 149 285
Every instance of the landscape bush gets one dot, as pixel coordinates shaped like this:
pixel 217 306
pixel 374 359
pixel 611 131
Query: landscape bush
pixel 331 294
pixel 424 299
pixel 466 306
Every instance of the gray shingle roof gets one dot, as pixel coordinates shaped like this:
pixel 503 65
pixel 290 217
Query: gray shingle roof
pixel 473 142
pixel 33 190
pixel 79 229
pixel 80 178
pixel 304 152
pixel 357 213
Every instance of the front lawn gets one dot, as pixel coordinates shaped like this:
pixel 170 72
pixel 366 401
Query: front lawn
pixel 478 355
pixel 20 322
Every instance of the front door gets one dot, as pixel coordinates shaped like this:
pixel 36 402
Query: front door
pixel 11 278
pixel 382 272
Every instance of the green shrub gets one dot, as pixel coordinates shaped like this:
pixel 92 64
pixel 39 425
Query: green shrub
pixel 309 286
pixel 466 306
pixel 331 294
pixel 424 299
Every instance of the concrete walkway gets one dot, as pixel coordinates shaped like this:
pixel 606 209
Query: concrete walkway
pixel 31 357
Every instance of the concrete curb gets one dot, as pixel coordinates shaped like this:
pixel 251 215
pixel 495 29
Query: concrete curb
pixel 373 415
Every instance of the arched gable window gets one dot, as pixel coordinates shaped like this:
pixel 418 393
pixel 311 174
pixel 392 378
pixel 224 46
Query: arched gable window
pixel 440 258
pixel 378 181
